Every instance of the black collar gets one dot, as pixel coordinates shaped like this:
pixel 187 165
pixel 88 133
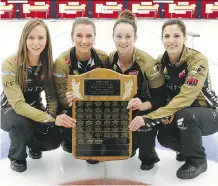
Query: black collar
pixel 116 67
pixel 74 60
pixel 166 61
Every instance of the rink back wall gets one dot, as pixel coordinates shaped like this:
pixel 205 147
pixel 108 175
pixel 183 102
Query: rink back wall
pixel 109 9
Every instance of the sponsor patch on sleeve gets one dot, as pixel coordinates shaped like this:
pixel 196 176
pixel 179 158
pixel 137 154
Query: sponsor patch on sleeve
pixel 198 69
pixel 59 75
pixel 157 68
pixel 8 73
pixel 192 81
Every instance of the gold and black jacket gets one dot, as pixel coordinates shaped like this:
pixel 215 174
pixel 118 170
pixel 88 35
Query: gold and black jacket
pixel 67 64
pixel 27 103
pixel 187 85
pixel 150 80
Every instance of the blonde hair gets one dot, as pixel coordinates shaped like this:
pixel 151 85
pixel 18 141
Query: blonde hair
pixel 126 16
pixel 22 57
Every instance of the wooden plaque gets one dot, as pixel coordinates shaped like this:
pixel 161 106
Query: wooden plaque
pixel 102 129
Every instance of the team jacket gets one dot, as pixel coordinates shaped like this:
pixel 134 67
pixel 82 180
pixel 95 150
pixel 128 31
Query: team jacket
pixel 187 85
pixel 26 103
pixel 67 64
pixel 150 79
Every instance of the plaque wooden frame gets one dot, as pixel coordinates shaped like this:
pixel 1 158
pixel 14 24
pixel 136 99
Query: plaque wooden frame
pixel 128 89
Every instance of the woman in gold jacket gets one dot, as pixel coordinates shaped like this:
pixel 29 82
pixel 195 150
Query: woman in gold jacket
pixel 129 60
pixel 24 76
pixel 191 111
pixel 79 59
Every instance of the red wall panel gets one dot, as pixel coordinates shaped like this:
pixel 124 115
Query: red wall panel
pixel 7 14
pixel 212 15
pixel 114 15
pixel 36 14
pixel 78 14
pixel 187 15
pixel 149 15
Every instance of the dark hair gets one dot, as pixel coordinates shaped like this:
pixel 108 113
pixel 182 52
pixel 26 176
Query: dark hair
pixel 175 22
pixel 126 16
pixel 85 21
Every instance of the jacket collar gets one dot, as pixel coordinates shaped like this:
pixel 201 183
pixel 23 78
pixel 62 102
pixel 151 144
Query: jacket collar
pixel 96 61
pixel 115 60
pixel 183 58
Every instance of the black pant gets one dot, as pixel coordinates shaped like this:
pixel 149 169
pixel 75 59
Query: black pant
pixel 144 141
pixel 185 133
pixel 25 132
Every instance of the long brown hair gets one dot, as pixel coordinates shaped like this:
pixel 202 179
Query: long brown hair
pixel 126 16
pixel 178 22
pixel 46 56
